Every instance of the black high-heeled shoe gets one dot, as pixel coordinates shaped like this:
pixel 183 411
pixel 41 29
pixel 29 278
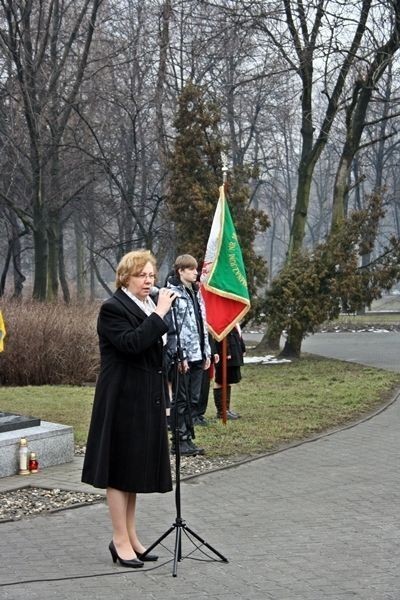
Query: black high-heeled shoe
pixel 147 558
pixel 133 563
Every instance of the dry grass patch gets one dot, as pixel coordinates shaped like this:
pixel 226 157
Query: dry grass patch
pixel 49 343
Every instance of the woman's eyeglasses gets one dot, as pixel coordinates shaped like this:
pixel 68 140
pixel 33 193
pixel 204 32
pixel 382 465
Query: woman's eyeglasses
pixel 144 276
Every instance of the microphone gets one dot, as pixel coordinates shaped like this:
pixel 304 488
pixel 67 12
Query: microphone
pixel 154 290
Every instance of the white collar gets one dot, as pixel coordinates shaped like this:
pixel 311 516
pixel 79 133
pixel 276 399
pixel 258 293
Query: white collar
pixel 147 305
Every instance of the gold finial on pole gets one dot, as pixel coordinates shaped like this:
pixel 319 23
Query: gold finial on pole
pixel 225 167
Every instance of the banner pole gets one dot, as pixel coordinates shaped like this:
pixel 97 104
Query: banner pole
pixel 224 380
pixel 224 341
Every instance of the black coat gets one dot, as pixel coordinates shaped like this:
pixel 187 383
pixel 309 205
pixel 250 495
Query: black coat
pixel 127 446
pixel 235 348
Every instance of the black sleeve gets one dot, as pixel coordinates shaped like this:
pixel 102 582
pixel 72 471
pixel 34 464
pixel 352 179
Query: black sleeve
pixel 213 345
pixel 118 329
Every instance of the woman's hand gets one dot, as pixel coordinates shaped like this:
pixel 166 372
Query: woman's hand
pixel 164 302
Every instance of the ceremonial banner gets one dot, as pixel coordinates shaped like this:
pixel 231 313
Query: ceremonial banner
pixel 2 332
pixel 223 278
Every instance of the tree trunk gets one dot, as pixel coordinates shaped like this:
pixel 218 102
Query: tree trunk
pixel 341 188
pixel 301 210
pixel 292 347
pixel 79 248
pixel 101 280
pixel 16 249
pixel 6 266
pixel 61 268
pixel 271 251
pixel 269 342
pixel 397 217
pixel 53 261
pixel 40 240
pixel 92 280
pixel 91 264
pixel 14 254
pixel 41 258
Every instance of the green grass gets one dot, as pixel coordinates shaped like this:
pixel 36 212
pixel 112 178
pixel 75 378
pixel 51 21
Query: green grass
pixel 368 320
pixel 278 403
pixel 70 405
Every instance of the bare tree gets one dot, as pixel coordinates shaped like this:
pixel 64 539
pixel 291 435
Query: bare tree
pixel 357 107
pixel 48 46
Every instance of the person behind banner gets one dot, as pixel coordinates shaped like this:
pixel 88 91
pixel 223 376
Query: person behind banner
pixel 235 351
pixel 127 448
pixel 208 376
pixel 191 328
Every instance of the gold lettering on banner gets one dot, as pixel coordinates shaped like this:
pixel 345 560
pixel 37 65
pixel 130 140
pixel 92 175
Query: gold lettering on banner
pixel 233 263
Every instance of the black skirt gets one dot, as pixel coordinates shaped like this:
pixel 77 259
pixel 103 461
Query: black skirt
pixel 233 374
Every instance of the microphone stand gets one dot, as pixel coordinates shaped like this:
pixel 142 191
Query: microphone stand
pixel 179 524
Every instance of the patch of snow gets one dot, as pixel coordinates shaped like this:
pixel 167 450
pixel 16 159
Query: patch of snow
pixel 269 359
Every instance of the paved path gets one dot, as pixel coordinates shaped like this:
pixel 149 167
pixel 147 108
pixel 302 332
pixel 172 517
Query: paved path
pixel 376 349
pixel 318 521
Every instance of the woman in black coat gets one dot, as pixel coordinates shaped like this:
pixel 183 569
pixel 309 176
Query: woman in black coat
pixel 127 447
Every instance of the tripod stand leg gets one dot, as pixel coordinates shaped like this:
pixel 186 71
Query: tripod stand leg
pixel 160 539
pixel 195 535
pixel 177 551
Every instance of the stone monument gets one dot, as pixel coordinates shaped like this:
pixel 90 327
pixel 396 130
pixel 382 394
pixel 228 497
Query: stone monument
pixel 11 421
pixel 53 443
